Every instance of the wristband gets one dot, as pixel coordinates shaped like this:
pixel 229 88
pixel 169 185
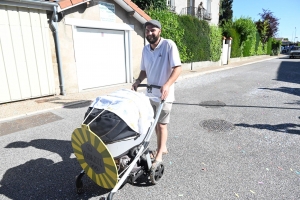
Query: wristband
pixel 139 80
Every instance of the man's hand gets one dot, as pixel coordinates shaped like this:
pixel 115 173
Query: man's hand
pixel 135 85
pixel 164 91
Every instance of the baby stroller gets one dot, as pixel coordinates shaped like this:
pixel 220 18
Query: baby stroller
pixel 112 145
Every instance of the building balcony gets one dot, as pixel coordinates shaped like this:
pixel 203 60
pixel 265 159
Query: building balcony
pixel 201 14
pixel 172 8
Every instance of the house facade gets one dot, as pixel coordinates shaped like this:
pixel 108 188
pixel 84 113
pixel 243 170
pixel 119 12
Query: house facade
pixel 68 46
pixel 209 9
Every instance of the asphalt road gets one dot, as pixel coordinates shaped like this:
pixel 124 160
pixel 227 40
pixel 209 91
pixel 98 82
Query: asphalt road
pixel 234 134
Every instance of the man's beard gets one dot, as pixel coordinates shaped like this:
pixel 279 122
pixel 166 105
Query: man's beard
pixel 152 39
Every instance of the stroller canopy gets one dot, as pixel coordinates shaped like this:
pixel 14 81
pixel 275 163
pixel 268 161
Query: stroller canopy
pixel 132 107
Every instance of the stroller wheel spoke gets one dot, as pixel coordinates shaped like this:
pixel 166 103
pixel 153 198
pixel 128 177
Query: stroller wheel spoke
pixel 156 173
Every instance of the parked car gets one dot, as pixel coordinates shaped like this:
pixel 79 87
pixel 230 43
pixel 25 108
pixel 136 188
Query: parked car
pixel 295 52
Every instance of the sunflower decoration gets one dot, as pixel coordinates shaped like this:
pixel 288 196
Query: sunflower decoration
pixel 94 157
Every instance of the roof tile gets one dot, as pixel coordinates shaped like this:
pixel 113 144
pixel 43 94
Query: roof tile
pixel 65 3
pixel 74 2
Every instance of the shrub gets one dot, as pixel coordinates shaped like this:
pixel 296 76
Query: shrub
pixel 171 29
pixel 269 46
pixel 249 46
pixel 215 43
pixel 236 50
pixel 151 4
pixel 276 44
pixel 257 39
pixel 196 38
pixel 246 28
pixel 191 35
pixel 202 52
pixel 260 49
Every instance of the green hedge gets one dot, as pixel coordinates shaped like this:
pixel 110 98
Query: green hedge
pixel 247 48
pixel 171 29
pixel 192 36
pixel 269 46
pixel 196 38
pixel 257 39
pixel 216 41
pixel 236 50
pixel 276 44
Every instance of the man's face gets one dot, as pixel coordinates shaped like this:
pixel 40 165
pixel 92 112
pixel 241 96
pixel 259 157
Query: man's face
pixel 152 34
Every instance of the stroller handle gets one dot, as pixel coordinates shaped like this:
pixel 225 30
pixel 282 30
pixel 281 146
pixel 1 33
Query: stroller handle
pixel 149 86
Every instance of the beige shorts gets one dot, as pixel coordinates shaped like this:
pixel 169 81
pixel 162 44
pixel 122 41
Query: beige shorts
pixel 164 117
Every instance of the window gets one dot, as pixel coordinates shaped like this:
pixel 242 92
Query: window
pixel 208 4
pixel 171 5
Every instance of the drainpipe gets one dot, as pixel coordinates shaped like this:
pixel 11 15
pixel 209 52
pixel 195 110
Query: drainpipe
pixel 57 49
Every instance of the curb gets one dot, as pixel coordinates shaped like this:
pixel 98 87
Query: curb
pixel 220 69
pixel 44 110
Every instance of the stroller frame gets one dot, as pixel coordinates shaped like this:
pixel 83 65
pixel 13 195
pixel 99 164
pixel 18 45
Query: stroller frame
pixel 142 150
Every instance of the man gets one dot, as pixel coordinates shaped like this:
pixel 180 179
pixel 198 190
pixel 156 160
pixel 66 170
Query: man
pixel 200 10
pixel 161 66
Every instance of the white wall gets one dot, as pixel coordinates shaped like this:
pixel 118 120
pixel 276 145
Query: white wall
pixel 215 12
pixel 180 4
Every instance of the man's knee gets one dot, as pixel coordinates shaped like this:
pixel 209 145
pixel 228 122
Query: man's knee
pixel 161 126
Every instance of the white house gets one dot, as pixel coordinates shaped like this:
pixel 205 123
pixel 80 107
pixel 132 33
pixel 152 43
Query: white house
pixel 67 46
pixel 209 11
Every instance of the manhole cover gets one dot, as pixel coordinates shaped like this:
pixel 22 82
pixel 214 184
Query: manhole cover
pixel 216 125
pixel 212 104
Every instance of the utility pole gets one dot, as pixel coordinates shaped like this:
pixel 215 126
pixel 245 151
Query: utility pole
pixel 295 35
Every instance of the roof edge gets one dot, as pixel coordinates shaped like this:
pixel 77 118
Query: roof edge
pixel 139 14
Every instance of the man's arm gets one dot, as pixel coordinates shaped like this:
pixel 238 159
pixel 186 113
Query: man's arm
pixel 139 80
pixel 173 77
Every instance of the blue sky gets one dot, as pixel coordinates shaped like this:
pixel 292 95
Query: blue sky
pixel 287 11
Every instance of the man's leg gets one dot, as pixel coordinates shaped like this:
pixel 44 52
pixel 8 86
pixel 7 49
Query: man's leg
pixel 161 128
pixel 162 136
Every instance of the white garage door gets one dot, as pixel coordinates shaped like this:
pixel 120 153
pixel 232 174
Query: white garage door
pixel 26 69
pixel 100 57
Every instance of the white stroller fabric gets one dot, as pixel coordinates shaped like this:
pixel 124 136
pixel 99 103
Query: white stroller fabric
pixel 132 107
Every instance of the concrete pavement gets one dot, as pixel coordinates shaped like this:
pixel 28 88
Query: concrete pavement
pixel 24 108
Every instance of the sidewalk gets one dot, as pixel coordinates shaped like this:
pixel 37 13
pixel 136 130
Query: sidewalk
pixel 23 108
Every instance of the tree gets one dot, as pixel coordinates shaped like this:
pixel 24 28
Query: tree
pixel 267 26
pixel 154 4
pixel 262 28
pixel 225 11
pixel 246 28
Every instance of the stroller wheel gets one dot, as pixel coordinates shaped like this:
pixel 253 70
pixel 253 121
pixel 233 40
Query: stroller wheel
pixel 156 173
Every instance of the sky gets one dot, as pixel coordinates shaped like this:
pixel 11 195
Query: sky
pixel 287 11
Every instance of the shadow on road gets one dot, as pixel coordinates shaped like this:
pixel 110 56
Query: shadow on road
pixel 289 72
pixel 43 179
pixel 293 91
pixel 74 104
pixel 296 102
pixel 236 106
pixel 284 128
